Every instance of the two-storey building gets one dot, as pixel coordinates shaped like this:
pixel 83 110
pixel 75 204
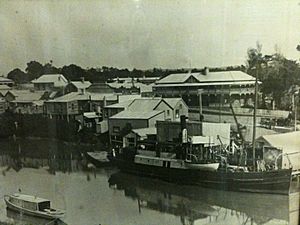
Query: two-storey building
pixel 215 88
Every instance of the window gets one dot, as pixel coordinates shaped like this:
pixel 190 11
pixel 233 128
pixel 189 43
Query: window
pixel 168 112
pixel 116 129
pixel 177 113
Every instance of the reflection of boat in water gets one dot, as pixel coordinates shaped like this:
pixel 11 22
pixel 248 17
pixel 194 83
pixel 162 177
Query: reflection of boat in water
pixel 159 200
pixel 33 206
pixel 99 159
pixel 185 201
pixel 20 218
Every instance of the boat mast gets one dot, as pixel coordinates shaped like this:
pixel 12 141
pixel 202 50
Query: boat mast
pixel 254 116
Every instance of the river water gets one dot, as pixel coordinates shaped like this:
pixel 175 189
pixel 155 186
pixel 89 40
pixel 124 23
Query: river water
pixel 54 170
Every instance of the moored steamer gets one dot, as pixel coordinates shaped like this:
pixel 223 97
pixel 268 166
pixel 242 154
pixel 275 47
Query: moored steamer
pixel 188 167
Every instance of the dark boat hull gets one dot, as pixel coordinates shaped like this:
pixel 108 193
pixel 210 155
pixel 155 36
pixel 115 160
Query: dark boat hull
pixel 272 182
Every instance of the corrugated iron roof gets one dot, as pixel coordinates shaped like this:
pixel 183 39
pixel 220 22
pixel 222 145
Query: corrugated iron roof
pixel 144 104
pixel 58 79
pixel 122 105
pixel 81 84
pixel 26 95
pixel 288 142
pixel 128 114
pixel 76 96
pixel 210 77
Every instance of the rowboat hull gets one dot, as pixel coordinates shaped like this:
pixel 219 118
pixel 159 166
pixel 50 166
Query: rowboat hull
pixel 273 182
pixel 99 159
pixel 28 212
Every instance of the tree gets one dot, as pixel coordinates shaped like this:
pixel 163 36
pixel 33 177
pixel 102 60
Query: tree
pixel 50 69
pixel 73 72
pixel 34 69
pixel 18 76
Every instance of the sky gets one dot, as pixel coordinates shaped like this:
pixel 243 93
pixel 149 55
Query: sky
pixel 145 33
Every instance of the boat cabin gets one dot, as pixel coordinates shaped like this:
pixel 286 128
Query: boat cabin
pixel 30 202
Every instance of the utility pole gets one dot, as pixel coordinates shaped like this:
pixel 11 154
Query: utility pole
pixel 296 92
pixel 254 117
pixel 200 91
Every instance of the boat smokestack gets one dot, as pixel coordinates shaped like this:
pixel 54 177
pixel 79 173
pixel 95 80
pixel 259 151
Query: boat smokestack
pixel 183 128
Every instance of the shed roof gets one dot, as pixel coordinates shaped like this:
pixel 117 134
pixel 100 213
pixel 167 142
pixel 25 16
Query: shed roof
pixel 58 79
pixel 210 77
pixel 128 114
pixel 288 142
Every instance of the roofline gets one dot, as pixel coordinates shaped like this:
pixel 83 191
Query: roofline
pixel 210 83
pixel 159 112
pixel 162 100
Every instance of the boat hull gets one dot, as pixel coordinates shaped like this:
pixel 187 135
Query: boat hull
pixel 97 162
pixel 273 182
pixel 30 212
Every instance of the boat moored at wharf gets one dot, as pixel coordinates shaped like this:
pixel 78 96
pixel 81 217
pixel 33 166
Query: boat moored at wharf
pixel 185 167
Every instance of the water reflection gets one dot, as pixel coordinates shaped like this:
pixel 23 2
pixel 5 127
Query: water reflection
pixel 61 174
pixel 42 153
pixel 194 204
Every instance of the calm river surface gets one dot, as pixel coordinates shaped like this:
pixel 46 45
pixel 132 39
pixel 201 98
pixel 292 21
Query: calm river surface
pixel 106 196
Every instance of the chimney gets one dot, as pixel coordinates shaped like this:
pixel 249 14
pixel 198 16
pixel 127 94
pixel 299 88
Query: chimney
pixel 205 71
pixel 82 79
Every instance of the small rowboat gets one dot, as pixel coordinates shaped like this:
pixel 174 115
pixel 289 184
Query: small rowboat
pixel 33 206
pixel 99 159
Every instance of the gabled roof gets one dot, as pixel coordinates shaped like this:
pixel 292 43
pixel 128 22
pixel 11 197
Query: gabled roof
pixel 100 88
pixel 144 104
pixel 26 95
pixel 172 102
pixel 128 114
pixel 223 76
pixel 81 84
pixel 58 79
